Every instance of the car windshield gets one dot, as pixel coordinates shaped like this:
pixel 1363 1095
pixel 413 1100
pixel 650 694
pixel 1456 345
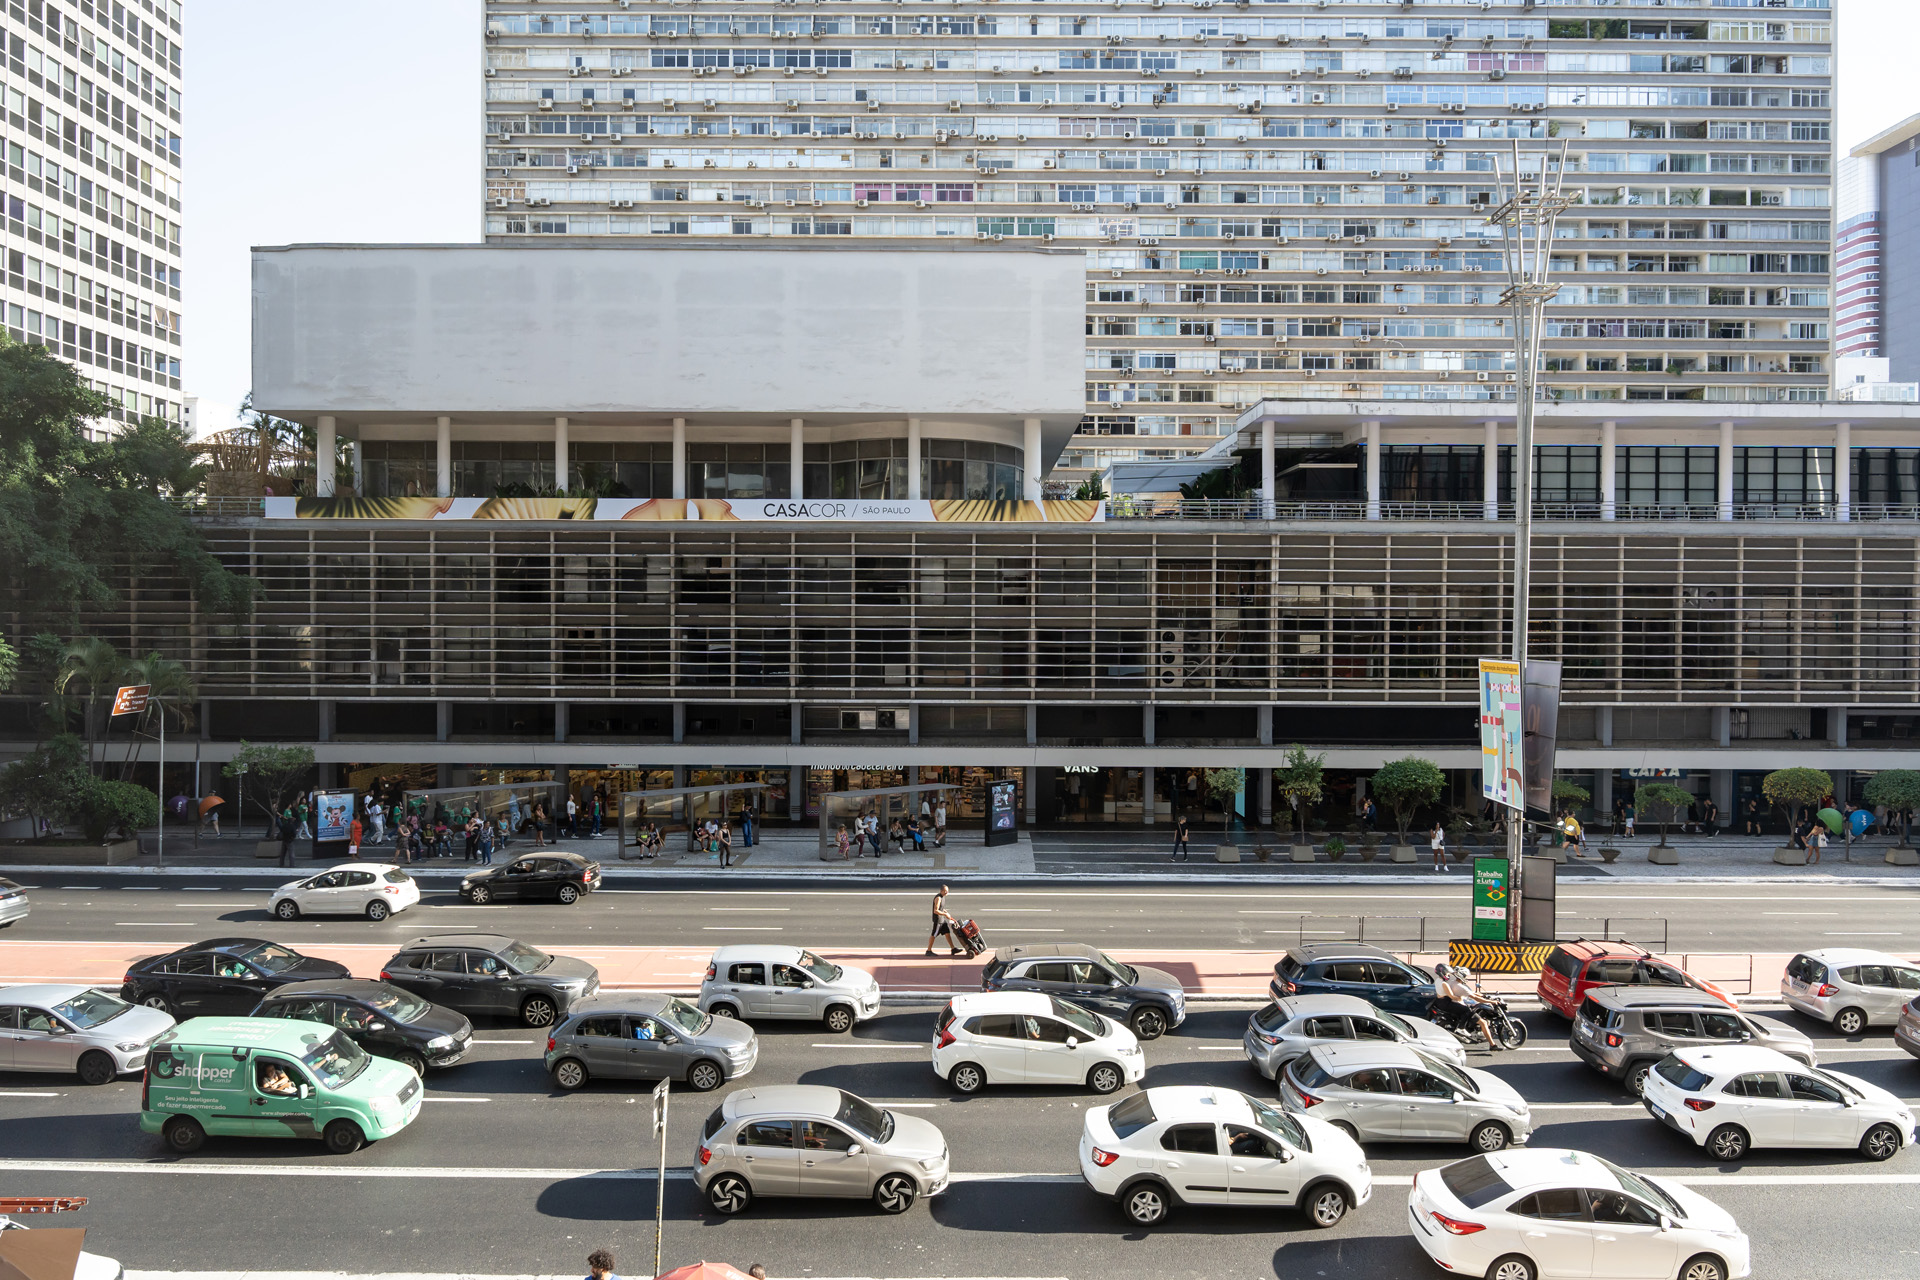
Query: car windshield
pixel 335 1060
pixel 1127 973
pixel 91 1008
pixel 685 1016
pixel 1074 1016
pixel 271 957
pixel 401 1006
pixel 1395 1021
pixel 1274 1120
pixel 864 1118
pixel 1448 1072
pixel 819 968
pixel 1634 1184
pixel 522 958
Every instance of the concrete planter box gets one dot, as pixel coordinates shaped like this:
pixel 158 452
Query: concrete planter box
pixel 1405 853
pixel 1898 857
pixel 1608 853
pixel 1227 853
pixel 1300 852
pixel 1664 855
pixel 118 853
pixel 1368 852
pixel 1788 856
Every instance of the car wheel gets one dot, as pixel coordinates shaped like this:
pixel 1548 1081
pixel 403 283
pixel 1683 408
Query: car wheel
pixel 967 1077
pixel 725 1011
pixel 538 1011
pixel 729 1193
pixel 1347 1129
pixel 184 1134
pixel 1105 1078
pixel 705 1077
pixel 1326 1206
pixel 343 1137
pixel 1850 1022
pixel 895 1193
pixel 377 911
pixel 1636 1078
pixel 156 1001
pixel 1703 1268
pixel 1881 1143
pixel 1728 1142
pixel 413 1062
pixel 479 895
pixel 1147 1204
pixel 1513 1267
pixel 287 909
pixel 1489 1135
pixel 1148 1022
pixel 839 1019
pixel 569 894
pixel 98 1068
pixel 569 1074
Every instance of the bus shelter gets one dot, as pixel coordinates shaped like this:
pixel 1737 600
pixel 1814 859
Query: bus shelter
pixel 491 800
pixel 672 806
pixel 843 806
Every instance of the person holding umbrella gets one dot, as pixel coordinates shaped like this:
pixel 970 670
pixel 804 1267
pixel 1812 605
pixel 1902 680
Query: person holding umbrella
pixel 210 813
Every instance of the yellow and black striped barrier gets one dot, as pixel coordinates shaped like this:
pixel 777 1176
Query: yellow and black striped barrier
pixel 1499 957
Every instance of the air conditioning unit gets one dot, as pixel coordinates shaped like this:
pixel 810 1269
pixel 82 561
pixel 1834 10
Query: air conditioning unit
pixel 1317 99
pixel 859 204
pixel 573 169
pixel 1480 377
pixel 499 202
pixel 546 104
pixel 1170 658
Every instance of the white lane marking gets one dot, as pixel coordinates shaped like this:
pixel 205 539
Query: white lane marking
pixel 504 1042
pixel 445 1098
pixel 732 909
pixel 916 1106
pixel 154 924
pixel 1019 911
pixel 1586 1106
pixel 1799 913
pixel 1219 1048
pixel 138 888
pixel 872 1044
pixel 26 1093
pixel 1016 928
pixel 1273 913
pixel 201 888
pixel 1862 933
pixel 742 928
pixel 79 886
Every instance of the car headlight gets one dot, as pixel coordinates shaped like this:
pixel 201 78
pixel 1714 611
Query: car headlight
pixel 384 1104
pixel 930 1165
pixel 440 1042
pixel 466 884
pixel 130 1046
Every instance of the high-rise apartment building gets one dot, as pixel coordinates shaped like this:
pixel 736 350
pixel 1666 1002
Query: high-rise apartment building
pixel 1877 262
pixel 1276 200
pixel 93 192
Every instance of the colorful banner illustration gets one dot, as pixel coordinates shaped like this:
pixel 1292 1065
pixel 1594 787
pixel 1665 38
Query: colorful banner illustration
pixel 754 511
pixel 1502 767
pixel 333 815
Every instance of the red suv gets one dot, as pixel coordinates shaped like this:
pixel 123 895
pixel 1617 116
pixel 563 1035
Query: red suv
pixel 1575 968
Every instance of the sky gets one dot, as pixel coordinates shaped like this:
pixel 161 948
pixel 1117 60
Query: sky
pixel 359 120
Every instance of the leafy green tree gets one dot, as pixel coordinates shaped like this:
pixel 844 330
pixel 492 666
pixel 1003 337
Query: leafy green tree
pixel 275 770
pixel 1794 789
pixel 44 783
pixel 1570 793
pixel 172 692
pixel 93 664
pixel 1404 785
pixel 9 665
pixel 1223 785
pixel 1661 803
pixel 103 806
pixel 1090 491
pixel 1896 790
pixel 1302 781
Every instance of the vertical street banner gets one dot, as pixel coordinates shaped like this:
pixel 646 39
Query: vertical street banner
pixel 333 815
pixel 1002 800
pixel 1541 701
pixel 1502 745
pixel 1491 894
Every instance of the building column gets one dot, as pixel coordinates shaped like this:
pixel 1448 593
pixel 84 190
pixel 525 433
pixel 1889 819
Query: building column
pixel 1720 788
pixel 679 457
pixel 1490 472
pixel 359 468
pixel 913 729
pixel 1608 480
pixel 1603 725
pixel 913 460
pixel 794 721
pixel 797 459
pixel 1269 483
pixel 796 793
pixel 324 710
pixel 1032 459
pixel 1602 794
pixel 1725 498
pixel 442 720
pixel 1033 724
pixel 1723 726
pixel 1837 726
pixel 562 721
pixel 679 726
pixel 1370 432
pixel 443 456
pixel 1843 471
pixel 1263 724
pixel 1262 795
pixel 325 442
pixel 1029 784
pixel 560 452
pixel 1146 723
pixel 1148 796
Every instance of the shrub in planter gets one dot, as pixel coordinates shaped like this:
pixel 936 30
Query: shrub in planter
pixel 1336 848
pixel 103 806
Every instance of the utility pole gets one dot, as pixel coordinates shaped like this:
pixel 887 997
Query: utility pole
pixel 660 1092
pixel 1530 205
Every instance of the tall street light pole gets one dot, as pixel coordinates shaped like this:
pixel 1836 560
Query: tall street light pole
pixel 1530 205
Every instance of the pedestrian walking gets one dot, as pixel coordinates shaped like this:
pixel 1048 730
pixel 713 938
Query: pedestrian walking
pixel 287 831
pixel 1619 815
pixel 1710 817
pixel 471 840
pixel 940 822
pixel 1630 817
pixel 724 839
pixel 305 832
pixel 378 816
pixel 873 832
pixel 844 841
pixel 1751 814
pixel 944 924
pixel 1817 844
pixel 1180 834
pixel 354 832
pixel 1438 839
pixel 1368 812
pixel 600 1266
pixel 486 844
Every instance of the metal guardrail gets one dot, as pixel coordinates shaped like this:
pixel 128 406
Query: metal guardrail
pixel 1430 934
pixel 220 508
pixel 1255 509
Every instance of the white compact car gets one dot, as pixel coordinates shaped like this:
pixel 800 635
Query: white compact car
pixel 1543 1213
pixel 1850 988
pixel 761 981
pixel 1205 1146
pixel 1732 1099
pixel 369 889
pixel 1028 1037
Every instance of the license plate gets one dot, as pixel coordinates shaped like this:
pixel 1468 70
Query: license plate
pixel 1586 1032
pixel 1658 1114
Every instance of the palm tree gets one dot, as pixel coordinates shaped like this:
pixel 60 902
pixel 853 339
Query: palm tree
pixel 171 692
pixel 97 665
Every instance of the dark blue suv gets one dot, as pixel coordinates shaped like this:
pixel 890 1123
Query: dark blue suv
pixel 1353 969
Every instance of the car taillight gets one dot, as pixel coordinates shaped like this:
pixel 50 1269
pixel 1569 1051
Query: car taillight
pixel 1456 1226
pixel 393 889
pixel 711 970
pixel 1826 989
pixel 1613 1039
pixel 1286 985
pixel 946 1038
pixel 586 877
pixel 128 978
pixel 706 1153
pixel 1699 1104
pixel 1306 1099
pixel 1264 1038
pixel 385 976
pixel 549 1044
pixel 1104 1158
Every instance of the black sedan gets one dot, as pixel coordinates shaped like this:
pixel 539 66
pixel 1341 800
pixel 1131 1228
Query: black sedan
pixel 221 977
pixel 381 1019
pixel 554 877
pixel 486 973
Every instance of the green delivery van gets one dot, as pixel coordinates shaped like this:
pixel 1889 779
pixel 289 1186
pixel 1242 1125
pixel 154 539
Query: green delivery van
pixel 272 1078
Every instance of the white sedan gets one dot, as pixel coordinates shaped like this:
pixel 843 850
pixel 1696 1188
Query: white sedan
pixel 1541 1214
pixel 369 889
pixel 1734 1098
pixel 1029 1037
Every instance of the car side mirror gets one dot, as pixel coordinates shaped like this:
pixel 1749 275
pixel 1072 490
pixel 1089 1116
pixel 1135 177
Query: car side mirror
pixel 855 1150
pixel 1458 1096
pixel 1666 1223
pixel 306 1091
pixel 501 974
pixel 376 1026
pixel 669 1039
pixel 806 986
pixel 1073 1042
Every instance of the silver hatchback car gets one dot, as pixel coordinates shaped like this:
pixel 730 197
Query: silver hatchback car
pixel 1381 1092
pixel 14 906
pixel 1286 1029
pixel 811 1140
pixel 760 981
pixel 1849 987
pixel 68 1027
pixel 638 1036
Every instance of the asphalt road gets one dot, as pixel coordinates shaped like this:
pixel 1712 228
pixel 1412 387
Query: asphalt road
pixel 1730 916
pixel 503 1175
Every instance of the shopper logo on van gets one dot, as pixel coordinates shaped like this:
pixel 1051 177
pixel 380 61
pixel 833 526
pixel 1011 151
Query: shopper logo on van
pixel 169 1068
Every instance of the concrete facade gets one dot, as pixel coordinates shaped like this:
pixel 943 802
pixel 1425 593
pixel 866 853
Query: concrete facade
pixel 1878 263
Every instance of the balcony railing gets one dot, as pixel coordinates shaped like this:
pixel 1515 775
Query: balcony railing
pixel 221 508
pixel 1254 509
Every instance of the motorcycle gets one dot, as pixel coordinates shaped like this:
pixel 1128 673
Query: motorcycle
pixel 1508 1031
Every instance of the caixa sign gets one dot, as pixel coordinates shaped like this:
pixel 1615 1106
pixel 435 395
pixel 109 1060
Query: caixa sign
pixel 1655 773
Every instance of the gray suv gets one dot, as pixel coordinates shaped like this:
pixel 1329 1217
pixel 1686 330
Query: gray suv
pixel 1150 1001
pixel 810 1140
pixel 636 1036
pixel 1622 1031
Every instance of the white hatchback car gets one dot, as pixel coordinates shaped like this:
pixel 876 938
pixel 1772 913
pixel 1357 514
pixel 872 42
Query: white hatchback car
pixel 1543 1213
pixel 369 889
pixel 1732 1099
pixel 1850 988
pixel 1029 1037
pixel 1205 1146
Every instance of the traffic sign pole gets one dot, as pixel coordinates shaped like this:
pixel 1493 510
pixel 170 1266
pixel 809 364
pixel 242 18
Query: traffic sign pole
pixel 660 1185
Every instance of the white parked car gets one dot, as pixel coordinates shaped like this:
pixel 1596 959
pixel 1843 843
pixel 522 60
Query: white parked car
pixel 1850 988
pixel 1730 1100
pixel 1545 1213
pixel 369 889
pixel 769 981
pixel 1205 1146
pixel 1028 1037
